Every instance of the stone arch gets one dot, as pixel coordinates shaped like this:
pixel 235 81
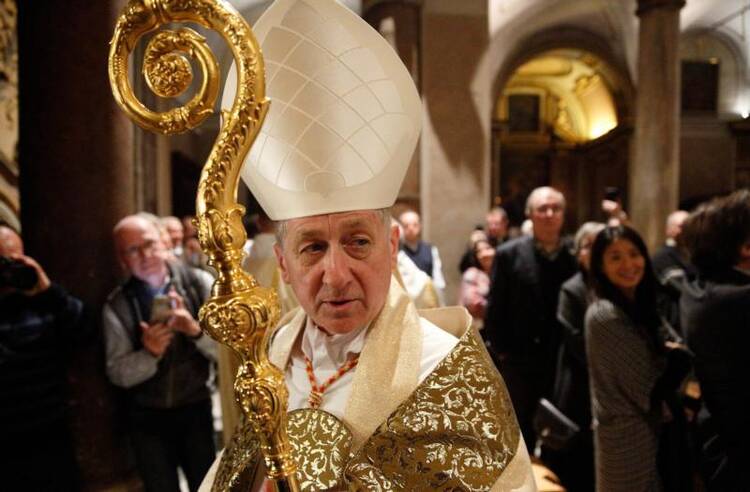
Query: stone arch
pixel 733 90
pixel 613 68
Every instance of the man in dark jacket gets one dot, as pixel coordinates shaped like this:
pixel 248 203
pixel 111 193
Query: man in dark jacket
pixel 157 352
pixel 715 311
pixel 39 324
pixel 521 326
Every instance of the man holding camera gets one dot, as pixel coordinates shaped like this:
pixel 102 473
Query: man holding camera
pixel 156 351
pixel 38 322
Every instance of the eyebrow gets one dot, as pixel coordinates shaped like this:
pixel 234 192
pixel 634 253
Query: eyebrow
pixel 315 232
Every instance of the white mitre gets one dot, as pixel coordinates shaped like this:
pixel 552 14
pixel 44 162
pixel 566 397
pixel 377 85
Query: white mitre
pixel 344 118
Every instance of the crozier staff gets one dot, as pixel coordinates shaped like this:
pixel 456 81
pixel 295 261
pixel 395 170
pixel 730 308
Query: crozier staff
pixel 406 397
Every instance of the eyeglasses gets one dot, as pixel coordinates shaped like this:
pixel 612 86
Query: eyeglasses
pixel 147 248
pixel 544 209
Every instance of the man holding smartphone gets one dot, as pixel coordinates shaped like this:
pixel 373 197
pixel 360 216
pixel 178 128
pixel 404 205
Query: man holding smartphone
pixel 156 352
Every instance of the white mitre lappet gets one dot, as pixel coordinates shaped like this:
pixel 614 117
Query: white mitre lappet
pixel 344 117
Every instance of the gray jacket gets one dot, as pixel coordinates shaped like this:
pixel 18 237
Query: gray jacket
pixel 177 378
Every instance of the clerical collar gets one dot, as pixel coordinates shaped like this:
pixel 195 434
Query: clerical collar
pixel 331 351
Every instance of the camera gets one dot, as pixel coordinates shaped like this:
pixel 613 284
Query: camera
pixel 16 274
pixel 612 193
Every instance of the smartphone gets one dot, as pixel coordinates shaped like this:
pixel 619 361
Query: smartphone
pixel 612 193
pixel 161 306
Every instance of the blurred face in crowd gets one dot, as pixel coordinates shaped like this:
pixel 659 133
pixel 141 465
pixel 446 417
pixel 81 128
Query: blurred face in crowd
pixel 623 264
pixel 485 255
pixel 584 251
pixel 411 225
pixel 140 250
pixel 675 222
pixel 10 242
pixel 497 225
pixel 546 209
pixel 175 230
pixel 339 266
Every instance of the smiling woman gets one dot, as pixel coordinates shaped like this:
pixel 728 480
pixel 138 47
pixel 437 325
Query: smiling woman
pixel 634 365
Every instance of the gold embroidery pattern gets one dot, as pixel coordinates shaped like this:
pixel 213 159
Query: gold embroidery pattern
pixel 239 460
pixel 321 445
pixel 457 431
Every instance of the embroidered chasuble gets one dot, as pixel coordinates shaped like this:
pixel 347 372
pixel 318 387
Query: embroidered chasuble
pixel 450 429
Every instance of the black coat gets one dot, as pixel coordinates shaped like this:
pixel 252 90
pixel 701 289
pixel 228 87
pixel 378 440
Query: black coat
pixel 521 316
pixel 715 312
pixel 572 394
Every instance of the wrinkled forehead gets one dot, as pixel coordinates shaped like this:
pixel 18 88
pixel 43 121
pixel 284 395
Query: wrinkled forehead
pixel 331 226
pixel 135 233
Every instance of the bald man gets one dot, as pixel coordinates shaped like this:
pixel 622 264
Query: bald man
pixel 670 260
pixel 39 323
pixel 521 324
pixel 155 350
pixel 422 253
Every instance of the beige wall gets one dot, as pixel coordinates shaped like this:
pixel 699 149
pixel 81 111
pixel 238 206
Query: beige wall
pixel 454 177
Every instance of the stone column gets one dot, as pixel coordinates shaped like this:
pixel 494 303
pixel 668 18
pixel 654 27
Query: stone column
pixel 655 166
pixel 454 179
pixel 76 181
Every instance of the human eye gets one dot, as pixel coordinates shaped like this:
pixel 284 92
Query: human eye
pixel 359 245
pixel 311 248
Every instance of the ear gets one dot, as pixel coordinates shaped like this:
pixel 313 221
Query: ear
pixel 393 240
pixel 282 262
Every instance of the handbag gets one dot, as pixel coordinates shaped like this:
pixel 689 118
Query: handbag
pixel 553 428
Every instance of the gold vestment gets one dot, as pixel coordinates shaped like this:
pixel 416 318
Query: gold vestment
pixel 456 430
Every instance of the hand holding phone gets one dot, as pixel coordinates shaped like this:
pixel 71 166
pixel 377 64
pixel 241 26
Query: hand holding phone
pixel 180 319
pixel 161 309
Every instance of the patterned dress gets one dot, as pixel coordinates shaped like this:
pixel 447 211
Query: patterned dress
pixel 623 368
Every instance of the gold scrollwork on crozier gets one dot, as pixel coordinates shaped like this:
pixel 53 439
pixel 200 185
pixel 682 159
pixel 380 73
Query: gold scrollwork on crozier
pixel 239 313
pixel 169 74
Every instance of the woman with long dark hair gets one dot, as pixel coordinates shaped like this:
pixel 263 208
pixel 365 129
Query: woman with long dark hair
pixel 633 364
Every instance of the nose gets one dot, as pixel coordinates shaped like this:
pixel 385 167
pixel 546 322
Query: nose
pixel 336 273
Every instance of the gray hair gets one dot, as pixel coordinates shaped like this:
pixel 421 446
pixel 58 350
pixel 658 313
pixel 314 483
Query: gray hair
pixel 587 229
pixel 281 228
pixel 536 192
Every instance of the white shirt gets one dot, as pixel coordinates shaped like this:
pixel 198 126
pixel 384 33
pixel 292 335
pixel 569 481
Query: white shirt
pixel 329 352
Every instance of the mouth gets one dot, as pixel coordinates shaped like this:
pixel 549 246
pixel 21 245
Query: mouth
pixel 338 304
pixel 631 276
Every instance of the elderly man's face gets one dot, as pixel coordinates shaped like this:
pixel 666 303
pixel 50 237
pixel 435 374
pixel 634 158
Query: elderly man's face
pixel 176 232
pixel 497 225
pixel 142 252
pixel 339 266
pixel 411 225
pixel 547 214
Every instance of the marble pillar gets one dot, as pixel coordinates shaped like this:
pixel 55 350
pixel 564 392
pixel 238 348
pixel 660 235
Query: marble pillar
pixel 454 177
pixel 654 168
pixel 76 182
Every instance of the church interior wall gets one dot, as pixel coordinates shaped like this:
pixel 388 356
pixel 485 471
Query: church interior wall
pixel 83 165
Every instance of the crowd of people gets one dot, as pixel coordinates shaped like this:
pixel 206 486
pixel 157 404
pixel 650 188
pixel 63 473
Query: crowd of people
pixel 625 370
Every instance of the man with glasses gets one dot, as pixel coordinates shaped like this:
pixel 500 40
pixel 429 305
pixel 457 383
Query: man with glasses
pixel 156 351
pixel 521 326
